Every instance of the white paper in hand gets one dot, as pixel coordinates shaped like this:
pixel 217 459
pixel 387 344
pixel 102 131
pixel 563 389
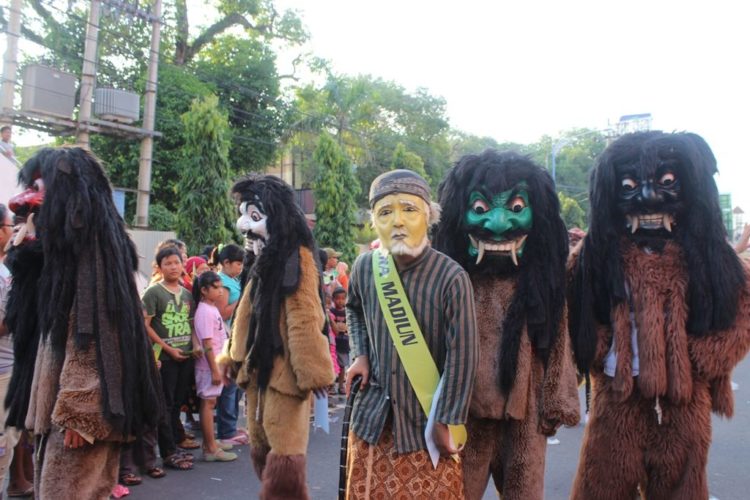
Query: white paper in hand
pixel 432 448
pixel 321 414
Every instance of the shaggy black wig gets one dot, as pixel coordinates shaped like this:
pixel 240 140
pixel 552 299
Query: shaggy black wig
pixel 276 271
pixel 716 276
pixel 89 266
pixel 540 294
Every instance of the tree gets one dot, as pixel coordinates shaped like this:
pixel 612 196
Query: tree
pixel 238 65
pixel 258 18
pixel 243 74
pixel 571 212
pixel 204 210
pixel 409 161
pixel 335 190
pixel 368 117
pixel 177 88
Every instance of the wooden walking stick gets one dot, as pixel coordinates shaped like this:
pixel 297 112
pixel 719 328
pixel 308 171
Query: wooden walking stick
pixel 345 437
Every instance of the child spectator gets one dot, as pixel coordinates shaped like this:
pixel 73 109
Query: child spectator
pixel 338 323
pixel 342 269
pixel 230 258
pixel 194 267
pixel 167 307
pixel 171 242
pixel 210 330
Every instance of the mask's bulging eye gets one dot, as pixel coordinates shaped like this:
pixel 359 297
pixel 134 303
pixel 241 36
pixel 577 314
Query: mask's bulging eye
pixel 667 179
pixel 517 204
pixel 480 206
pixel 255 216
pixel 38 185
pixel 629 184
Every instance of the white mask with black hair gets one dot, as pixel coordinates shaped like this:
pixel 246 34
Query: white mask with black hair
pixel 252 224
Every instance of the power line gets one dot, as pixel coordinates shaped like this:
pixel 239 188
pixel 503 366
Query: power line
pixel 164 61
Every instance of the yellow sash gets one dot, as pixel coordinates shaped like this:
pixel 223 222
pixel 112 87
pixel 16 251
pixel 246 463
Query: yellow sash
pixel 412 349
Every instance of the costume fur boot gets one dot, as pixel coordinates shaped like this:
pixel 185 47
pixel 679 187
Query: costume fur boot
pixel 284 478
pixel 258 455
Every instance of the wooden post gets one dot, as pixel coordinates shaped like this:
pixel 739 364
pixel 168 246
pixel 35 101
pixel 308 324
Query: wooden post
pixel 149 114
pixel 10 61
pixel 88 74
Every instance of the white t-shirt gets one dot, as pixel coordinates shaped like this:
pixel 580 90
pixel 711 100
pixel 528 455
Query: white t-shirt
pixel 6 343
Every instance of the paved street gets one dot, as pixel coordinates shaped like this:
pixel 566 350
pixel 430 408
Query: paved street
pixel 728 463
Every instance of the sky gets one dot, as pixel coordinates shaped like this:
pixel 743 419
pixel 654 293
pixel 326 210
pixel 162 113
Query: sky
pixel 518 70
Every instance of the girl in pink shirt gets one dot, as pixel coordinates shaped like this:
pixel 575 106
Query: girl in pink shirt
pixel 209 328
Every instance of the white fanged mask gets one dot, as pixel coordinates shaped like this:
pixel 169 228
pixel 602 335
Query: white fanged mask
pixel 252 223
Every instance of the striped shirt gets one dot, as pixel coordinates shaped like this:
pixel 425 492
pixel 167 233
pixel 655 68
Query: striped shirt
pixel 441 296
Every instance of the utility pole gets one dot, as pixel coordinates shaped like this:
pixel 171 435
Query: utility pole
pixel 88 74
pixel 149 112
pixel 10 61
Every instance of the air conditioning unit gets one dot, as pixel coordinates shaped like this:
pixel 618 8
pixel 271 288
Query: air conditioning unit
pixel 48 91
pixel 117 105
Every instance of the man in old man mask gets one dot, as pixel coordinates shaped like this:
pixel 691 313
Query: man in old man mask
pixel 412 327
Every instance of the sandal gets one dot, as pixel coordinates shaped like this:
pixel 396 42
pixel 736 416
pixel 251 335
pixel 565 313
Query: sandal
pixel 185 455
pixel 130 480
pixel 189 444
pixel 156 472
pixel 21 493
pixel 120 491
pixel 219 456
pixel 177 463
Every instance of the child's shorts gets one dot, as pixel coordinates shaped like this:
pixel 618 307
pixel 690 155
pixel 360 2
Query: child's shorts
pixel 203 385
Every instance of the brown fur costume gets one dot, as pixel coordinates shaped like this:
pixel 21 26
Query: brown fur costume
pixel 656 281
pixel 507 435
pixel 83 364
pixel 278 417
pixel 525 386
pixel 690 376
pixel 75 404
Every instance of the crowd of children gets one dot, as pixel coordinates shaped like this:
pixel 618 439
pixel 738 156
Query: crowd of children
pixel 188 309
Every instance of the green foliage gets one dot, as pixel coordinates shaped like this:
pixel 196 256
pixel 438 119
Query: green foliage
pixel 23 153
pixel 176 91
pixel 239 67
pixel 369 118
pixel 335 190
pixel 571 212
pixel 365 234
pixel 243 72
pixel 160 218
pixel 409 161
pixel 576 159
pixel 204 213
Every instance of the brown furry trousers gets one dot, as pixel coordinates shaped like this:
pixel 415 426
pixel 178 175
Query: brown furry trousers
pixel 86 473
pixel 279 432
pixel 624 447
pixel 511 451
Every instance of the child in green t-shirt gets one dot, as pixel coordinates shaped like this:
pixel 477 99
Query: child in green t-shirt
pixel 166 307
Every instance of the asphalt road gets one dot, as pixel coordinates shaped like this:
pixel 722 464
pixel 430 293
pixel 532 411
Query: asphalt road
pixel 727 469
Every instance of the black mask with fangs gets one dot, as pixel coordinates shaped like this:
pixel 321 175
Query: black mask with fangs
pixel 649 195
pixel 651 187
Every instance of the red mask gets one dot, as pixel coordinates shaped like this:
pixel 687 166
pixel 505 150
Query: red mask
pixel 29 200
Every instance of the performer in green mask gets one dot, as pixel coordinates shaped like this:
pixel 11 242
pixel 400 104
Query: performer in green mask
pixel 501 222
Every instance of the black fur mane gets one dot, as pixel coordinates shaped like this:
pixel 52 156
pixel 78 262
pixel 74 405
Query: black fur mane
pixel 275 273
pixel 716 276
pixel 80 230
pixel 540 295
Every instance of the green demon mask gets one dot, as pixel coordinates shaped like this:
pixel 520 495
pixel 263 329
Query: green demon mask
pixel 498 223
